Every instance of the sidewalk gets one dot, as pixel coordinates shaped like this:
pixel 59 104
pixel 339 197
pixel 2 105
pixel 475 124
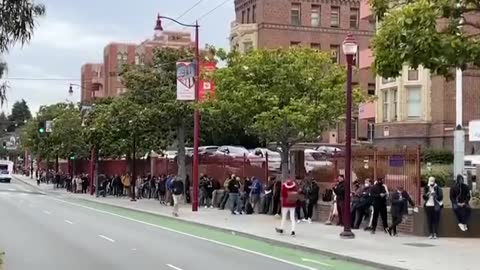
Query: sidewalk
pixel 407 252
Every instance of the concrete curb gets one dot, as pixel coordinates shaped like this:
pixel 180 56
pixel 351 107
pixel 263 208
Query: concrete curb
pixel 31 185
pixel 260 238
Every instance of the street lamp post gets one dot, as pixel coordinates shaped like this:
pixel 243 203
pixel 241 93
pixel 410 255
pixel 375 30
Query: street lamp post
pixel 350 48
pixel 196 125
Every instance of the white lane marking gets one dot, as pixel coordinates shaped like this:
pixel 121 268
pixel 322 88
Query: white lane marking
pixel 47 212
pixel 11 189
pixel 106 238
pixel 68 221
pixel 317 262
pixel 173 267
pixel 134 249
pixel 187 234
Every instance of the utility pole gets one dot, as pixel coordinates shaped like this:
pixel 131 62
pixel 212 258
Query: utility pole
pixel 459 133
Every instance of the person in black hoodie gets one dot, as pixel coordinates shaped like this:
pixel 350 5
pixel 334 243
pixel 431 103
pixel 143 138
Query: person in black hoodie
pixel 277 191
pixel 234 195
pixel 177 190
pixel 339 191
pixel 311 193
pixel 364 203
pixel 400 200
pixel 460 197
pixel 379 194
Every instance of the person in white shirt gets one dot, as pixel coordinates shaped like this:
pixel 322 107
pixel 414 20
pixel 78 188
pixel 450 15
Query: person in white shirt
pixel 433 197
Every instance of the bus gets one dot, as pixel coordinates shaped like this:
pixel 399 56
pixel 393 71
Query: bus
pixel 6 170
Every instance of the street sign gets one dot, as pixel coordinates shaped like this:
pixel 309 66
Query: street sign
pixel 474 131
pixel 207 86
pixel 396 161
pixel 185 81
pixel 48 126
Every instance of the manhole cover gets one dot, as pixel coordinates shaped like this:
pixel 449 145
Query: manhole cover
pixel 419 245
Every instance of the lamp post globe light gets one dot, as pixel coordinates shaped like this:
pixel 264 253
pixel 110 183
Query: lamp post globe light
pixel 196 125
pixel 350 48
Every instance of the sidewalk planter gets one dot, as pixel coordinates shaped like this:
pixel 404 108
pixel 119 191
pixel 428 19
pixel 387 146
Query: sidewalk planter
pixel 448 224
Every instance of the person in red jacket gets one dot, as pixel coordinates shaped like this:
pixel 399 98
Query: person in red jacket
pixel 289 200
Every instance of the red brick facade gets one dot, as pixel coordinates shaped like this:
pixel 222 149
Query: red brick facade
pixel 276 28
pixel 437 133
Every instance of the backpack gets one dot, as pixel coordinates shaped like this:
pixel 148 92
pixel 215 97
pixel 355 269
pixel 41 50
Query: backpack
pixel 327 196
pixel 248 208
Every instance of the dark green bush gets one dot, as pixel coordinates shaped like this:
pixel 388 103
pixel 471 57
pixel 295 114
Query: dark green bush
pixel 438 156
pixel 442 178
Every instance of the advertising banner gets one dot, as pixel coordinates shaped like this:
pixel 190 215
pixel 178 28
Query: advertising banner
pixel 185 81
pixel 207 86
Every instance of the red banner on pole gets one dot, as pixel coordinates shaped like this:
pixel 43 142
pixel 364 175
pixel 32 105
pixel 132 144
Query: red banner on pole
pixel 207 86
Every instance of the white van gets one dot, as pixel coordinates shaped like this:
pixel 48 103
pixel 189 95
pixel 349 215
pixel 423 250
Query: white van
pixel 6 170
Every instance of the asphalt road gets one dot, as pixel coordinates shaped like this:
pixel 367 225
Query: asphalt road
pixel 38 232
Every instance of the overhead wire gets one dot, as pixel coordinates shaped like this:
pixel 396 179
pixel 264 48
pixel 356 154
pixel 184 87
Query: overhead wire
pixel 212 10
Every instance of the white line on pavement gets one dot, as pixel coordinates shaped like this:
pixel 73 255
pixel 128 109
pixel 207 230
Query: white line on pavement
pixel 187 234
pixel 68 221
pixel 47 212
pixel 11 189
pixel 106 238
pixel 173 267
pixel 317 262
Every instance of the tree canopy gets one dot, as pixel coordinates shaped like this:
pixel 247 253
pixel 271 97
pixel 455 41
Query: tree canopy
pixel 20 112
pixel 440 35
pixel 17 22
pixel 283 95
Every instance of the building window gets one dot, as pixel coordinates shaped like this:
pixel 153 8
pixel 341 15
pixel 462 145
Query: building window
pixel 371 89
pixel 413 75
pixel 414 102
pixel 243 16
pixel 395 104
pixel 137 59
pixel 248 15
pixel 335 51
pixel 335 17
pixel 386 105
pixel 316 46
pixel 247 47
pixel 354 18
pixel 254 15
pixel 315 16
pixel 296 14
pixel 371 130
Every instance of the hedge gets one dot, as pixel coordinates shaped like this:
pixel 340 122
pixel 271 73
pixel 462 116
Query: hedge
pixel 438 156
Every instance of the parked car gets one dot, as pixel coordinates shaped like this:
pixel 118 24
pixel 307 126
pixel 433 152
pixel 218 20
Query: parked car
pixel 170 154
pixel 328 150
pixel 315 159
pixel 238 153
pixel 207 150
pixel 274 158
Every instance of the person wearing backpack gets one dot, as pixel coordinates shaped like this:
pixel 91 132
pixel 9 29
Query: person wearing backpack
pixel 177 191
pixel 289 194
pixel 255 192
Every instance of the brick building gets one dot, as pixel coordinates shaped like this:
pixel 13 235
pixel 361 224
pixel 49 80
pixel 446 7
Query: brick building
pixel 105 79
pixel 418 108
pixel 92 79
pixel 321 24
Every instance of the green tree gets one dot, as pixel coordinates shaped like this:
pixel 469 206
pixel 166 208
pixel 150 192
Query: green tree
pixel 438 34
pixel 154 88
pixel 17 19
pixel 283 95
pixel 20 112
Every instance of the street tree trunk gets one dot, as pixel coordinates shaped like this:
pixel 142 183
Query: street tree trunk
pixel 285 160
pixel 182 170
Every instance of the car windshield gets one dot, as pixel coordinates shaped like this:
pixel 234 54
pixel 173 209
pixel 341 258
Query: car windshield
pixel 3 171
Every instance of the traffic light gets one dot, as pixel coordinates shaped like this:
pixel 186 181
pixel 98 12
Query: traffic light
pixel 41 127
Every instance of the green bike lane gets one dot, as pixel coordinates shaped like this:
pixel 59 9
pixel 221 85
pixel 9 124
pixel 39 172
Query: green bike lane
pixel 289 255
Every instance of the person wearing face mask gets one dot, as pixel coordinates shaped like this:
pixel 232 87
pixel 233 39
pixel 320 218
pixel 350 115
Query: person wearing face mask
pixel 364 203
pixel 400 201
pixel 460 198
pixel 433 197
pixel 379 194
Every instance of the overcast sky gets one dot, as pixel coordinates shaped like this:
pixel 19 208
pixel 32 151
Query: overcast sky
pixel 75 32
